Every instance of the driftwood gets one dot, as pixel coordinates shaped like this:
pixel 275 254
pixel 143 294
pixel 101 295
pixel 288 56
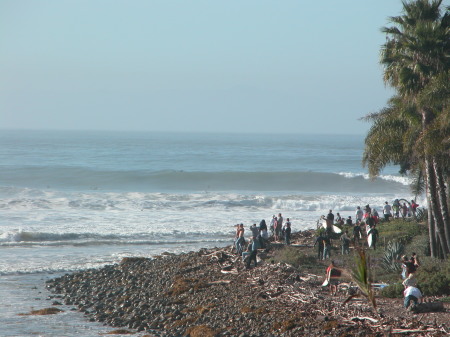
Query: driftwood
pixel 413 330
pixel 356 319
pixel 220 282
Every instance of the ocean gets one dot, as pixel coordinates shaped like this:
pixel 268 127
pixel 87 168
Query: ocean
pixel 72 200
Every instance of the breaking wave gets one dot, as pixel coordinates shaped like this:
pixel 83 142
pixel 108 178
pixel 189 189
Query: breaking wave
pixel 141 180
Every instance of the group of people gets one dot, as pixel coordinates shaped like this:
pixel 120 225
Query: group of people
pixel 398 209
pixel 280 230
pixel 367 217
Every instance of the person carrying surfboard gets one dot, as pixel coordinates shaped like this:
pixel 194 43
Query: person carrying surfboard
pixel 372 237
pixel 333 277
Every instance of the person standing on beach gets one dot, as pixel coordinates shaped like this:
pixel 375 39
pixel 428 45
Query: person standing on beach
pixel 287 232
pixel 273 224
pixel 349 221
pixel 404 211
pixel 255 231
pixel 279 227
pixel 330 222
pixel 414 206
pixel 240 241
pixel 358 214
pixel 263 235
pixel 387 211
pixel 356 234
pixel 327 247
pixel 345 242
pixel 320 247
pixel 396 208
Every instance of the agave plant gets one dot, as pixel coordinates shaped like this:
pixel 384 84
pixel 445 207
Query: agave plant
pixel 392 254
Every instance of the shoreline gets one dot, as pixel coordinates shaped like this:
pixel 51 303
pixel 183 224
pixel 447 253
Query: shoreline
pixel 210 293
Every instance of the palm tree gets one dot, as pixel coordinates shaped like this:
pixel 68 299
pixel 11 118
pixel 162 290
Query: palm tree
pixel 416 63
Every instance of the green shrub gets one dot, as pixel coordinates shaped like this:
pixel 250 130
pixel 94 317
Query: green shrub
pixel 393 291
pixel 433 277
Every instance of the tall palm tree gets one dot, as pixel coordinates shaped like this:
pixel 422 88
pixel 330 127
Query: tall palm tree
pixel 415 57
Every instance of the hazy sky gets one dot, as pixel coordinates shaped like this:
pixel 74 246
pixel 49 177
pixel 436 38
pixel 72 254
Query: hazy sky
pixel 233 66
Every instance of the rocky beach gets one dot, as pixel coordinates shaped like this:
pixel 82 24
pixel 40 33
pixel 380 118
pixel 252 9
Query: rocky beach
pixel 211 293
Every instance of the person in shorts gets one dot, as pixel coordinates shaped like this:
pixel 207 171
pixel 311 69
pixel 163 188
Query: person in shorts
pixel 333 277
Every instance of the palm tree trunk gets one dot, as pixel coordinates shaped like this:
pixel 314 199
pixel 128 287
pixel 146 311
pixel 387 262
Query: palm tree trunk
pixel 431 221
pixel 442 198
pixel 437 215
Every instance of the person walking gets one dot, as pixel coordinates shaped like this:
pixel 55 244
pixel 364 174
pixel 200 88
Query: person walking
pixel 374 232
pixel 358 214
pixel 333 277
pixel 387 211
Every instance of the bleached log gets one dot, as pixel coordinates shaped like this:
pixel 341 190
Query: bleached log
pixel 373 320
pixel 220 282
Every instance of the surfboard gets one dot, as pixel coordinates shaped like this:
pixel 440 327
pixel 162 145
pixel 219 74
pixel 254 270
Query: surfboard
pixel 369 239
pixel 325 283
pixel 323 224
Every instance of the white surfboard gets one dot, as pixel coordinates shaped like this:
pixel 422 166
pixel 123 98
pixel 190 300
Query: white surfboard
pixel 325 283
pixel 370 239
pixel 323 224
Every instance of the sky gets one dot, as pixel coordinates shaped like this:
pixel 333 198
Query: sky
pixel 251 66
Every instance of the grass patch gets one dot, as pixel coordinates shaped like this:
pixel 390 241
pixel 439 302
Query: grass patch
pixel 295 257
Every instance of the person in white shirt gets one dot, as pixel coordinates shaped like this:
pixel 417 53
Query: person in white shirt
pixel 411 293
pixel 358 214
pixel 387 211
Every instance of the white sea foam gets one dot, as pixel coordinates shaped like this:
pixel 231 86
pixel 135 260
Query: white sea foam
pixel 388 177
